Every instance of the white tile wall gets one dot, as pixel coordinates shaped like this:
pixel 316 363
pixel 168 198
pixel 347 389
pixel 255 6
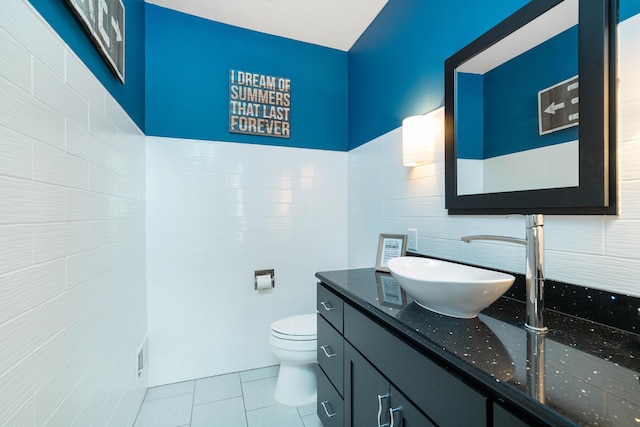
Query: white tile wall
pixel 216 212
pixel 72 252
pixel 598 252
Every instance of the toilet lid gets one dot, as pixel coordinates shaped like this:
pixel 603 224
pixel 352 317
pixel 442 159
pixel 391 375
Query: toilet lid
pixel 303 326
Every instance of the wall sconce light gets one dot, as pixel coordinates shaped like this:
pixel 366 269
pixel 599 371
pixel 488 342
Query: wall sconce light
pixel 418 140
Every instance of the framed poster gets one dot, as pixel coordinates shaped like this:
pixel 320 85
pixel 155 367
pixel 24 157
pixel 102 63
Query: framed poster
pixel 103 20
pixel 390 246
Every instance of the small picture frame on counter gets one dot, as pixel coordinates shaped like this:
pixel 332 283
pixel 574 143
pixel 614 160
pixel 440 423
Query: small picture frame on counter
pixel 390 293
pixel 390 246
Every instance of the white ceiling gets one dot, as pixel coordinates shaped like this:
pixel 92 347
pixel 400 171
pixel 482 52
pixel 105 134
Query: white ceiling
pixel 332 23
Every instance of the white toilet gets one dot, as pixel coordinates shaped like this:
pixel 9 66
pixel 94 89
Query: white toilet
pixel 293 341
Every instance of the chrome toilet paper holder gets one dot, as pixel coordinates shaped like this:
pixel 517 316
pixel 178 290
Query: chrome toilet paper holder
pixel 259 274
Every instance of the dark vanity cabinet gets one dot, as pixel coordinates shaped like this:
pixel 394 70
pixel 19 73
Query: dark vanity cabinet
pixel 330 358
pixel 372 399
pixel 368 376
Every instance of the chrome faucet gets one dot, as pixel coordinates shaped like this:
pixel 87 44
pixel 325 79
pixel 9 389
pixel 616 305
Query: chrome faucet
pixel 534 273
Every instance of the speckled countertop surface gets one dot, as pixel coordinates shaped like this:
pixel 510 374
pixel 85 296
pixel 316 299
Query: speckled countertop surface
pixel 585 373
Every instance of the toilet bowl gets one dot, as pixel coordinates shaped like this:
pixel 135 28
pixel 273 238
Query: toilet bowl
pixel 293 341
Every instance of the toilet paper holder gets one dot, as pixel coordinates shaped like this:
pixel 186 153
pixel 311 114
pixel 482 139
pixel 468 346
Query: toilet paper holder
pixel 264 279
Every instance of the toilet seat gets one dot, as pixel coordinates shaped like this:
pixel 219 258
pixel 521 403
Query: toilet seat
pixel 296 328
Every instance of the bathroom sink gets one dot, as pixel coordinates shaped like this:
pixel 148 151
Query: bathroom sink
pixel 448 288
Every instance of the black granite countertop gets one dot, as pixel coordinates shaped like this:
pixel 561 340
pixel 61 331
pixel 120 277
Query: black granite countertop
pixel 579 373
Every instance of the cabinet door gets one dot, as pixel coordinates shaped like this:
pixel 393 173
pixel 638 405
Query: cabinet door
pixel 330 306
pixel 402 413
pixel 331 353
pixel 366 392
pixel 330 407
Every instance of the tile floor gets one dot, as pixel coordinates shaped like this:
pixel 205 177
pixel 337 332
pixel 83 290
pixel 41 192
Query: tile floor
pixel 241 399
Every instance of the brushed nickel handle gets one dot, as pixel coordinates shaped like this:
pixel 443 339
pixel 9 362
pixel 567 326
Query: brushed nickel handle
pixel 326 411
pixel 380 397
pixel 326 353
pixel 327 305
pixel 391 411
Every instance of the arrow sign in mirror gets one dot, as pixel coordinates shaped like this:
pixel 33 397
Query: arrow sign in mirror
pixel 558 106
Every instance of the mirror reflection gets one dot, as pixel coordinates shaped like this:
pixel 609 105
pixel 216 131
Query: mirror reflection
pixel 517 109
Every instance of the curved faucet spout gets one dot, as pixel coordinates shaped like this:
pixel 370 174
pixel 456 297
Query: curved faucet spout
pixel 534 269
pixel 469 239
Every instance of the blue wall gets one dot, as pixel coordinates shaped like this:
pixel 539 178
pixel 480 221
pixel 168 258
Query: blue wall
pixel 470 111
pixel 396 68
pixel 511 96
pixel 131 94
pixel 188 62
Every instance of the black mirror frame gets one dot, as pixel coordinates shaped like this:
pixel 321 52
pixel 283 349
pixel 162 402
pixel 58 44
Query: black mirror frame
pixel 596 193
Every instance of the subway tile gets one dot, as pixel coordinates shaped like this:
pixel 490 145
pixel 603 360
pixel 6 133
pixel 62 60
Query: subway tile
pixel 55 166
pixel 628 158
pixel 106 232
pixel 51 89
pixel 100 127
pixel 102 180
pixel 15 62
pixel 24 416
pixel 42 322
pixel 88 264
pixel 116 115
pixel 573 234
pixel 629 122
pixel 16 251
pixel 629 200
pixel 24 202
pixel 16 153
pixel 58 240
pixel 25 289
pixel 621 239
pixel 26 115
pixel 21 21
pixel 84 83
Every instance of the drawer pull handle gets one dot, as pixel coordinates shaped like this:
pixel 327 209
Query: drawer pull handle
pixel 326 411
pixel 380 397
pixel 327 305
pixel 391 411
pixel 329 353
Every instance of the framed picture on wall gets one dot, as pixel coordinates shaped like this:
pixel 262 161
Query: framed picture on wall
pixel 390 246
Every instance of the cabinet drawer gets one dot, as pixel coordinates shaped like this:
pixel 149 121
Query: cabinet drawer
pixel 330 407
pixel 330 306
pixel 437 392
pixel 331 353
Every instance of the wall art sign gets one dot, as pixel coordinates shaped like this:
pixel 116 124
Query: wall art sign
pixel 104 22
pixel 259 104
pixel 559 106
pixel 390 246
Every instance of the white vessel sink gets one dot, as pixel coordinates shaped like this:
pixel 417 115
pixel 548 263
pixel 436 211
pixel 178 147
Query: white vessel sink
pixel 449 288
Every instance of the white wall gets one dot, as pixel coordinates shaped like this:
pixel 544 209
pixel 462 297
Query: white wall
pixel 597 252
pixel 216 212
pixel 72 254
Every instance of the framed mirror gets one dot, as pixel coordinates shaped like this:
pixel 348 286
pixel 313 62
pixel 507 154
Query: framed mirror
pixel 530 113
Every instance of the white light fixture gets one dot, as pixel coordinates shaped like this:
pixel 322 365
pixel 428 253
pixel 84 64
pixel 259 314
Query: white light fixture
pixel 418 140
